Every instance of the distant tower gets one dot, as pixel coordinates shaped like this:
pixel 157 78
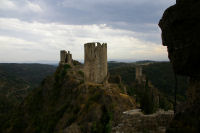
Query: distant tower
pixel 95 62
pixel 65 57
pixel 138 74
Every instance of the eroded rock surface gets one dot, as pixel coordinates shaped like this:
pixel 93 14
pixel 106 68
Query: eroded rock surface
pixel 181 34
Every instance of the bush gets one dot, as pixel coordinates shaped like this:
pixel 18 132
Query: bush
pixel 149 101
pixel 81 73
pixel 104 125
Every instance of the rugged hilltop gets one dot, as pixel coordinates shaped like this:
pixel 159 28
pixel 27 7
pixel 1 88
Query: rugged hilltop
pixel 64 103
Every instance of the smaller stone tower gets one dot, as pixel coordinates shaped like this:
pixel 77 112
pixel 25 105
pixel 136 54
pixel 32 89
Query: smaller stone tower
pixel 95 62
pixel 138 74
pixel 65 57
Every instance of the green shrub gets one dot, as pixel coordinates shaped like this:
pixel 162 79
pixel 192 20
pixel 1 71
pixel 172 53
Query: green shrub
pixel 67 66
pixel 148 102
pixel 94 128
pixel 81 73
pixel 106 120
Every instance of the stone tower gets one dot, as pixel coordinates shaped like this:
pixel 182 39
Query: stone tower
pixel 65 57
pixel 95 62
pixel 138 75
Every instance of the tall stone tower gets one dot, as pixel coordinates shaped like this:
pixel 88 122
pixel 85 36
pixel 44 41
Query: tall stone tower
pixel 65 57
pixel 95 62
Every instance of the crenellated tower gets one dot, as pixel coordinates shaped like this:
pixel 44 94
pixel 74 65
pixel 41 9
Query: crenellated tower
pixel 95 62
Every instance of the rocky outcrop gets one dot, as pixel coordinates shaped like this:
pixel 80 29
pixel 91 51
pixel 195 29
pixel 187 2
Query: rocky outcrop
pixel 181 34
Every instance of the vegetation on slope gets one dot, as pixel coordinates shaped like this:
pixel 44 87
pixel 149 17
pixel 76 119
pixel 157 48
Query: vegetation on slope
pixel 64 102
pixel 16 80
pixel 161 76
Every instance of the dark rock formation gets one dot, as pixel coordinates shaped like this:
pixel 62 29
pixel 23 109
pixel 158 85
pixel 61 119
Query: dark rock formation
pixel 181 34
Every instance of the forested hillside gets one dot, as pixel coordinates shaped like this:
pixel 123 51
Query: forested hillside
pixel 160 74
pixel 17 79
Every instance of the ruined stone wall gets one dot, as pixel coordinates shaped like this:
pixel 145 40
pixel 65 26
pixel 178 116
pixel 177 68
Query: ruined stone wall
pixel 65 57
pixel 95 62
pixel 134 121
pixel 138 72
pixel 140 78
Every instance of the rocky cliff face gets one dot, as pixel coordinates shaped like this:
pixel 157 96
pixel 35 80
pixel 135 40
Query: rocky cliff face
pixel 181 34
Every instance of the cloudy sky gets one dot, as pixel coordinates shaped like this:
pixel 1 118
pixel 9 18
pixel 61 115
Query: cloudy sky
pixel 36 30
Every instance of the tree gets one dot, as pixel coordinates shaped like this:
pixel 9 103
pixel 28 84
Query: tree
pixel 149 101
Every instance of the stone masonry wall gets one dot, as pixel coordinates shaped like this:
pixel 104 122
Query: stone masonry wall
pixel 134 121
pixel 138 73
pixel 139 76
pixel 95 62
pixel 65 57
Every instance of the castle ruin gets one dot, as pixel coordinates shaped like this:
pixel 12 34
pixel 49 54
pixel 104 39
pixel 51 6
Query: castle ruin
pixel 65 57
pixel 140 78
pixel 95 62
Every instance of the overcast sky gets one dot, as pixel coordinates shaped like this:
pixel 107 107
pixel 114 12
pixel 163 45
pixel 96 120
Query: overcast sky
pixel 36 30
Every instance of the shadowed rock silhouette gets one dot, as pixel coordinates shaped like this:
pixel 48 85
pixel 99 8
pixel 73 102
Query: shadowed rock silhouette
pixel 181 34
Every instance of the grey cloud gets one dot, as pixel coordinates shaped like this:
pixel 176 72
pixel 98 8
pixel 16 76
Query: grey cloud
pixel 132 15
pixel 138 16
pixel 94 11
